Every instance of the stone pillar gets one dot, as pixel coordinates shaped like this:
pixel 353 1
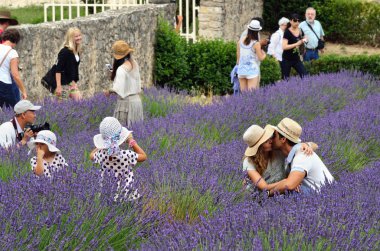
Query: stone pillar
pixel 226 19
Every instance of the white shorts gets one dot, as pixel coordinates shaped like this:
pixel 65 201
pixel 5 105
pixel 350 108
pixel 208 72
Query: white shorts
pixel 248 76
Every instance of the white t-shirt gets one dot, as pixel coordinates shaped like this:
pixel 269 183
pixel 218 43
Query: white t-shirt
pixel 316 171
pixel 5 69
pixel 8 134
pixel 275 45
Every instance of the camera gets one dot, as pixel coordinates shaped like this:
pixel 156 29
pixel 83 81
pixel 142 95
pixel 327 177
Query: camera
pixel 38 127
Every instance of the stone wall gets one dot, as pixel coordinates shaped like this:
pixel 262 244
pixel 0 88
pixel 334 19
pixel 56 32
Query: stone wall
pixel 227 18
pixel 23 3
pixel 41 43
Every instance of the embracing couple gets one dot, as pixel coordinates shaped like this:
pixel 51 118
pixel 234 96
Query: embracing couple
pixel 276 161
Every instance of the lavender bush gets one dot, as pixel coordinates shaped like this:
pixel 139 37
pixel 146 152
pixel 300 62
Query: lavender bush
pixel 192 180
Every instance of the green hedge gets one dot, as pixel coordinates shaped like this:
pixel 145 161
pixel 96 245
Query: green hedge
pixel 171 66
pixel 344 21
pixel 202 67
pixel 210 65
pixel 335 63
pixel 275 9
pixel 350 21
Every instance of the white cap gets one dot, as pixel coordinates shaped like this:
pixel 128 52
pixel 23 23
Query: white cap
pixel 25 105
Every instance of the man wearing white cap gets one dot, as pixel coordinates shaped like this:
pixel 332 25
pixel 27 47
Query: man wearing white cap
pixel 308 171
pixel 12 132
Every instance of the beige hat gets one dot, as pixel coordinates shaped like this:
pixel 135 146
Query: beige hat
pixel 6 15
pixel 255 136
pixel 289 129
pixel 121 49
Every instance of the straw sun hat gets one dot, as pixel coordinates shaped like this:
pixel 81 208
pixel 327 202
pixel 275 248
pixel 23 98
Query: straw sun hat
pixel 6 15
pixel 46 137
pixel 121 49
pixel 110 131
pixel 289 129
pixel 255 136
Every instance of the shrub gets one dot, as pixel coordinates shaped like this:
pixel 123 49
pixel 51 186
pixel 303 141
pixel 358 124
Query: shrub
pixel 334 63
pixel 210 63
pixel 359 24
pixel 171 66
pixel 270 71
pixel 274 10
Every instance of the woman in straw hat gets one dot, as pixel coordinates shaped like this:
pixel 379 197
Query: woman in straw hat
pixel 265 167
pixel 249 55
pixel 48 159
pixel 67 75
pixel 114 160
pixel 126 84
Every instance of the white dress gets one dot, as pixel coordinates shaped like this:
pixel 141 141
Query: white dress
pixel 127 85
pixel 56 165
pixel 121 167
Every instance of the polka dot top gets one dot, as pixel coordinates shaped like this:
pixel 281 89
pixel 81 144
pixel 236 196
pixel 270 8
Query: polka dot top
pixel 121 165
pixel 56 165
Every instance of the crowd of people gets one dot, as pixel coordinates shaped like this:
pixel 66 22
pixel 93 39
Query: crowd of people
pixel 293 42
pixel 125 72
pixel 275 160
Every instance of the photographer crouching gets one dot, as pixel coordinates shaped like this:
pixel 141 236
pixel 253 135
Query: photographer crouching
pixel 20 129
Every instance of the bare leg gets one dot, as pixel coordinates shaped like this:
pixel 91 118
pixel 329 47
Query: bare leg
pixel 253 83
pixel 243 84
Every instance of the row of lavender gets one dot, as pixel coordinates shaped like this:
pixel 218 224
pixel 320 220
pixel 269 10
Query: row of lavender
pixel 184 178
pixel 343 217
pixel 198 126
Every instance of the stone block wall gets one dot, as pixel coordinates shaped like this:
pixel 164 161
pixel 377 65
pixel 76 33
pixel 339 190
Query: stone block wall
pixel 226 19
pixel 41 43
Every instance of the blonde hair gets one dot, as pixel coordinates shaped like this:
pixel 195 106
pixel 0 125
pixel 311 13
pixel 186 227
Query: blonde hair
pixel 70 42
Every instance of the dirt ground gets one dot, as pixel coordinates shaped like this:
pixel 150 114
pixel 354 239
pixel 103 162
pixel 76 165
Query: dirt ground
pixel 342 49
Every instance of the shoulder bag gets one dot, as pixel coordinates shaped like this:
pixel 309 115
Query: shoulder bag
pixel 321 43
pixel 49 81
pixel 6 54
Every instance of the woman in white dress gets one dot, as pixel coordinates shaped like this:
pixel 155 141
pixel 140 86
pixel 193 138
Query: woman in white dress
pixel 126 84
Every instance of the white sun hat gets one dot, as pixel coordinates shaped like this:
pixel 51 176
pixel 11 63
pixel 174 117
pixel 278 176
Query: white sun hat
pixel 254 25
pixel 46 137
pixel 110 131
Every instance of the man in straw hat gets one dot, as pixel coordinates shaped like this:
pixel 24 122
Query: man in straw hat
pixel 308 171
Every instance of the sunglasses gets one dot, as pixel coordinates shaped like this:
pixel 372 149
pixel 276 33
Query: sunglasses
pixel 295 20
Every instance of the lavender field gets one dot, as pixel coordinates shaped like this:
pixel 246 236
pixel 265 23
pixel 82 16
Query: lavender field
pixel 192 181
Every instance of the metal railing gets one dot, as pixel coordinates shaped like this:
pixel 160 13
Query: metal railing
pixel 187 33
pixel 69 9
pixel 78 8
